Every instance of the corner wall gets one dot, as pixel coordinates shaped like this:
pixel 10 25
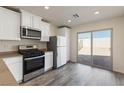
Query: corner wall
pixel 117 24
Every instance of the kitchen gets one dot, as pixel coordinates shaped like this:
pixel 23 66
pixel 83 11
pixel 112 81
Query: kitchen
pixel 61 45
pixel 25 40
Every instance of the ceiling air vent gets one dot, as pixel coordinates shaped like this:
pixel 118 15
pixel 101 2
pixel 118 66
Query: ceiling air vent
pixel 76 16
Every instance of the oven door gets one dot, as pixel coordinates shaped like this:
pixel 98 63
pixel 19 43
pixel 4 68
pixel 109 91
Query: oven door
pixel 33 64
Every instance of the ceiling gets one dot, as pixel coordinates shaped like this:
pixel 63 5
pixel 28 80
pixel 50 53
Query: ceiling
pixel 59 15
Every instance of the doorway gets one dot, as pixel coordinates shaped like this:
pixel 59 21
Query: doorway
pixel 94 48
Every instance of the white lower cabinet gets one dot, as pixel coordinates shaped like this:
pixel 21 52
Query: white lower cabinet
pixel 15 66
pixel 48 60
pixel 61 58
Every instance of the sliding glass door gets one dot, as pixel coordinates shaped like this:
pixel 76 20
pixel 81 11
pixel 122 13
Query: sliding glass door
pixel 102 48
pixel 84 48
pixel 94 48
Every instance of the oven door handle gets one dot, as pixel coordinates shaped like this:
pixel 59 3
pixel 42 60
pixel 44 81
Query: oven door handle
pixel 34 57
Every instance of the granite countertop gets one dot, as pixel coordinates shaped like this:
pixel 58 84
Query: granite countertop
pixel 6 78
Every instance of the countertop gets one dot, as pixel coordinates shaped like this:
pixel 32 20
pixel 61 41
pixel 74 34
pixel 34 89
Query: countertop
pixel 6 78
pixel 9 55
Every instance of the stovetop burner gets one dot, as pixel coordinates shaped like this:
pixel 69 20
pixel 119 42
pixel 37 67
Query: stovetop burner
pixel 32 52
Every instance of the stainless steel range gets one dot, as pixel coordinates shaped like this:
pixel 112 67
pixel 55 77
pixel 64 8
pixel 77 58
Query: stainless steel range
pixel 33 61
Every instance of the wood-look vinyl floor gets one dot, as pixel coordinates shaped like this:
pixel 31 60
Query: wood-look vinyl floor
pixel 76 74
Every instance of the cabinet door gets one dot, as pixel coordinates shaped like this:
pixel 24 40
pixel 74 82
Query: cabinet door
pixel 9 25
pixel 36 22
pixel 26 19
pixel 61 41
pixel 62 32
pixel 15 66
pixel 61 56
pixel 30 20
pixel 45 28
pixel 48 60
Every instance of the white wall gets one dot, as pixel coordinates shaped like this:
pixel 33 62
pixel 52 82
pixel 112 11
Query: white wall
pixel 118 39
pixel 53 30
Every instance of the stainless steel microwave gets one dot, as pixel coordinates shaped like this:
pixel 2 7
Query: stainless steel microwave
pixel 29 33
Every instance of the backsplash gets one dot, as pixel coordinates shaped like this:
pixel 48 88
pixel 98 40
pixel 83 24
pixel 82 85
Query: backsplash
pixel 6 45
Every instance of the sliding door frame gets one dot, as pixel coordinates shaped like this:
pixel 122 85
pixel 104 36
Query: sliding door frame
pixel 92 47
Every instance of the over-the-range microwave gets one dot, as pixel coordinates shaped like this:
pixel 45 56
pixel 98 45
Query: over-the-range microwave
pixel 30 33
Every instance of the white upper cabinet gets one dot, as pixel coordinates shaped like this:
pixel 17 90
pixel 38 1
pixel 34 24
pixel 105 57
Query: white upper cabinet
pixel 33 21
pixel 36 22
pixel 26 19
pixel 9 25
pixel 30 20
pixel 45 31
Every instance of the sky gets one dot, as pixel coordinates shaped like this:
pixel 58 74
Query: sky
pixel 97 34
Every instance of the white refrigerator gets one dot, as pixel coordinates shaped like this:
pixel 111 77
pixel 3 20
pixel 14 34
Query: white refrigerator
pixel 57 44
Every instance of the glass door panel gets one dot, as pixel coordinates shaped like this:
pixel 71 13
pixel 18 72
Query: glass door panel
pixel 102 48
pixel 84 48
